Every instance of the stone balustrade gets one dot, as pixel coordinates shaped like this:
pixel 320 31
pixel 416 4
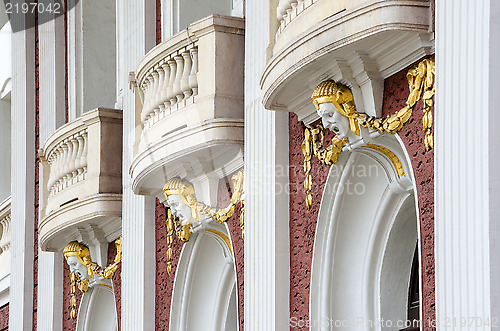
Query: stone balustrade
pixel 189 105
pixel 81 183
pixel 287 10
pixel 170 83
pixel 5 220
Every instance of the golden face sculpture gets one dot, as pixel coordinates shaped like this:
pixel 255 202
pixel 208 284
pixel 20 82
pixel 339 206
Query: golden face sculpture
pixel 78 258
pixel 340 96
pixel 181 199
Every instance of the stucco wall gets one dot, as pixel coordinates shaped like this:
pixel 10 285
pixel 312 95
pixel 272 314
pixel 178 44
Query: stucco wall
pixel 4 318
pixel 395 94
pixel 303 221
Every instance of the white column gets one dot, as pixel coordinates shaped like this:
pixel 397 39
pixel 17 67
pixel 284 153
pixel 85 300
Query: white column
pixel 52 116
pixel 267 252
pixel 138 226
pixel 467 144
pixel 23 179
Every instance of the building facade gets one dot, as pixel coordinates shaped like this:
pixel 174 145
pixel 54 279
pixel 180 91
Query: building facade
pixel 249 165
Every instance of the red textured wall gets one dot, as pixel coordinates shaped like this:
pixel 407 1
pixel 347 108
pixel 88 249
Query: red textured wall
pixel 302 221
pixel 164 281
pixel 158 22
pixel 68 323
pixel 117 282
pixel 395 94
pixel 224 197
pixel 4 317
pixel 37 174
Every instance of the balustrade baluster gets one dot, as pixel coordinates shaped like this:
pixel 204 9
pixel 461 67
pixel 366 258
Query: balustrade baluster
pixel 78 161
pixel 164 90
pixel 178 76
pixel 84 154
pixel 171 81
pixel 193 77
pixel 156 84
pixel 159 91
pixel 185 75
pixel 73 164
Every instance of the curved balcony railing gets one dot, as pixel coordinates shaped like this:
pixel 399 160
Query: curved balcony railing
pixel 81 176
pixel 189 103
pixel 5 222
pixel 169 83
pixel 287 10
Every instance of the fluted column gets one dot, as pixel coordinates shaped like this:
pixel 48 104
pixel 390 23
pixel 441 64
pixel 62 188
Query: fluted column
pixel 138 268
pixel 52 116
pixel 23 177
pixel 467 153
pixel 267 252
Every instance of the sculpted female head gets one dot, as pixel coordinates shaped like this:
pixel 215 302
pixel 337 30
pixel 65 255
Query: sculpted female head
pixel 335 104
pixel 78 258
pixel 181 199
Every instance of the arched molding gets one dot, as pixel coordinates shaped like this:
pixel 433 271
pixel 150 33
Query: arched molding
pixel 204 282
pixel 97 310
pixel 363 238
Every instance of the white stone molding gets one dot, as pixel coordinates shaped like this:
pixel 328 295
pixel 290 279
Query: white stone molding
pixel 5 255
pixel 467 187
pixel 52 116
pixel 136 38
pixel 5 110
pixel 192 106
pixel 204 283
pixel 363 255
pixel 91 56
pixel 23 175
pixel 97 310
pixel 82 184
pixel 267 251
pixel 371 39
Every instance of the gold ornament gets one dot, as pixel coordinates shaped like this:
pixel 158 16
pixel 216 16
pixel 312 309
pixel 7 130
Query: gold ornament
pixel 313 145
pixel 421 84
pixel 186 192
pixel 82 253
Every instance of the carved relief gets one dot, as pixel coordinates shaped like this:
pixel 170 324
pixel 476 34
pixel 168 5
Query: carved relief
pixel 187 215
pixel 334 102
pixel 84 272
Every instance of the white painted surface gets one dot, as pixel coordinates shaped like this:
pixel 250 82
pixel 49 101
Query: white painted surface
pixel 23 156
pixel 52 116
pixel 267 252
pixel 97 311
pixel 136 38
pixel 204 284
pixel 5 87
pixel 466 165
pixel 363 255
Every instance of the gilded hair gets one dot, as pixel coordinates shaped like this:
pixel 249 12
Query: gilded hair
pixel 185 190
pixel 341 97
pixel 82 252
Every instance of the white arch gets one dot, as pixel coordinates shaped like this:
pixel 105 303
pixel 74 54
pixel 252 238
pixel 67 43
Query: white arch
pixel 205 284
pixel 364 242
pixel 97 310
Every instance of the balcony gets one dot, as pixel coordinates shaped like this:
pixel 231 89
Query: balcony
pixel 189 105
pixel 5 220
pixel 357 42
pixel 82 183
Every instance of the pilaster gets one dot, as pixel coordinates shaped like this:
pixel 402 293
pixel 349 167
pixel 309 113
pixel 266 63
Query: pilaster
pixel 52 116
pixel 23 177
pixel 267 255
pixel 466 164
pixel 138 228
